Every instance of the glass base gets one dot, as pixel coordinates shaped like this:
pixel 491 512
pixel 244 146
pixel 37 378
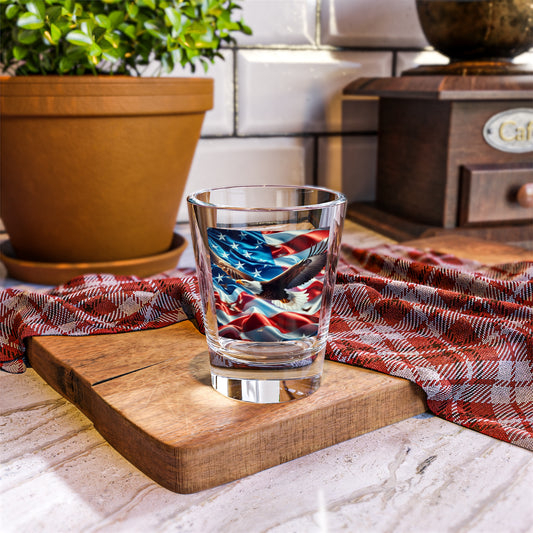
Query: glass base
pixel 265 390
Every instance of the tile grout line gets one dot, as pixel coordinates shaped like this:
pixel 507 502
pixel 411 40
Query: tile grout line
pixel 327 48
pixel 304 134
pixel 315 160
pixel 394 63
pixel 317 23
pixel 235 94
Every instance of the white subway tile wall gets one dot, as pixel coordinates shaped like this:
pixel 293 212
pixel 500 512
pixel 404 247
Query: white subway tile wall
pixel 221 119
pixel 279 22
pixel 278 113
pixel 380 24
pixel 249 161
pixel 295 91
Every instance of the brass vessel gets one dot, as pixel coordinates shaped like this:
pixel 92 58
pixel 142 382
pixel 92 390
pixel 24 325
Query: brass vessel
pixel 479 36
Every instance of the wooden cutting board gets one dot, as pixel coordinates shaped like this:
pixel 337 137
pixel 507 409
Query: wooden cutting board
pixel 148 393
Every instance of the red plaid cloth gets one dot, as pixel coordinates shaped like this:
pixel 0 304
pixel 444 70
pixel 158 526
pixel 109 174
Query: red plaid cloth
pixel 94 304
pixel 460 330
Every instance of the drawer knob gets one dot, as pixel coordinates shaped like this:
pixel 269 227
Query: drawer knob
pixel 525 195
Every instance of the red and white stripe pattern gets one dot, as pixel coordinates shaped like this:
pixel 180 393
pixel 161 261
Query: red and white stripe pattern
pixel 92 304
pixel 460 330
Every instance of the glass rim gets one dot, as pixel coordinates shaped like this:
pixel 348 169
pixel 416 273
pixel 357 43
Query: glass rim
pixel 339 198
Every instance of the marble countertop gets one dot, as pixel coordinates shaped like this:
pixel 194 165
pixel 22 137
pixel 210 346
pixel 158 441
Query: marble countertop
pixel 57 474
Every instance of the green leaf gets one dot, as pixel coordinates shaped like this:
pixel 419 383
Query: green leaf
pixel 116 18
pixel 69 5
pixel 19 52
pixel 174 17
pixel 122 50
pixel 37 8
pixel 207 39
pixel 11 10
pixel 98 33
pixel 205 65
pixel 129 30
pixel 75 53
pixel 28 36
pixel 79 38
pixel 197 27
pixel 55 32
pixel 65 64
pixel 113 39
pixel 53 13
pixel 30 21
pixel 190 43
pixel 167 62
pixel 133 10
pixel 129 33
pixel 62 26
pixel 110 53
pixel 245 29
pixel 146 3
pixel 153 29
pixel 87 27
pixel 103 21
pixel 190 12
pixel 95 50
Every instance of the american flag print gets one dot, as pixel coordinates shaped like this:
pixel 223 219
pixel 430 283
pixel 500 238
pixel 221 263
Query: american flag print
pixel 268 284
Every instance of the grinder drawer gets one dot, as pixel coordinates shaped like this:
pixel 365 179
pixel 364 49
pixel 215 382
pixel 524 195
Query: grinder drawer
pixel 494 193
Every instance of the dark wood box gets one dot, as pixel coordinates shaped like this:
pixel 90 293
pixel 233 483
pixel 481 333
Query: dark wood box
pixel 435 168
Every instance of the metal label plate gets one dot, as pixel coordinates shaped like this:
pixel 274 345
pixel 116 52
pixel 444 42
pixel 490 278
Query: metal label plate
pixel 510 130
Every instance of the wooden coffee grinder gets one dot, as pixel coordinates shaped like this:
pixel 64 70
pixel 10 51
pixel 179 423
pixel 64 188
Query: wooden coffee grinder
pixel 455 142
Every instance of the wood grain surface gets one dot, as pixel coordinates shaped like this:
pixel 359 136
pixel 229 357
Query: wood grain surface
pixel 148 393
pixel 422 147
pixel 401 229
pixel 498 187
pixel 486 252
pixel 446 87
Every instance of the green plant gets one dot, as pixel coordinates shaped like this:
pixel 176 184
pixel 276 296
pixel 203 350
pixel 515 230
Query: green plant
pixel 113 36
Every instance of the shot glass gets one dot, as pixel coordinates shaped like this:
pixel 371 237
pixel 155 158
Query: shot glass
pixel 266 258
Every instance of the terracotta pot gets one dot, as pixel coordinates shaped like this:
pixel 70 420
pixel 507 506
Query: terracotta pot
pixel 93 168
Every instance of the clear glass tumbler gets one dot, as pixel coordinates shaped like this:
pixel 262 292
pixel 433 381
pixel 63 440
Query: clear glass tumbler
pixel 266 258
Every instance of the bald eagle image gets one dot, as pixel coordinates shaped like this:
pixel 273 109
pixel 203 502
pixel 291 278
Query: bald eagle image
pixel 278 289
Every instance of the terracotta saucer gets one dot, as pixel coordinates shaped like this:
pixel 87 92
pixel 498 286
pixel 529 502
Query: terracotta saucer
pixel 58 273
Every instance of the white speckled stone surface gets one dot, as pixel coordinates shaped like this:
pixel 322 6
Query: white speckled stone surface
pixel 57 474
